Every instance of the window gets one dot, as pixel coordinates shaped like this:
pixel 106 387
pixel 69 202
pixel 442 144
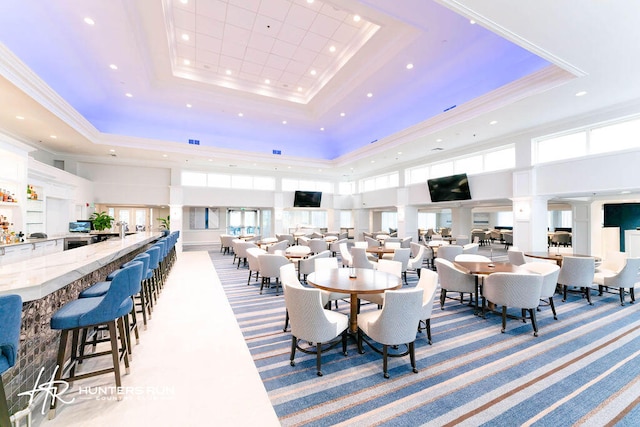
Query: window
pixel 389 220
pixel 346 188
pixel 380 182
pixel 562 147
pixel 469 165
pixel 427 220
pixel 345 219
pixel 221 180
pixel 194 179
pixel 303 185
pixel 620 136
pixel 441 169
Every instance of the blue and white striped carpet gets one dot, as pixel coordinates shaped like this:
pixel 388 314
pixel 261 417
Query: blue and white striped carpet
pixel 582 369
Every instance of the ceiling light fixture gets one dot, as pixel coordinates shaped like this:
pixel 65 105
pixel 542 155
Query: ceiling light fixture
pixel 343 114
pixel 128 95
pixel 185 37
pixel 581 93
pixel 493 122
pixel 314 72
pixel 89 21
pixel 332 49
pixel 113 66
pixel 439 140
pixel 20 117
pixel 164 155
pixel 228 72
pixel 267 81
pixel 184 1
pixel 112 150
pixel 240 115
pixel 322 129
pixel 472 21
pixel 189 105
pixel 211 160
pixel 356 18
pixel 187 62
pixel 409 66
pixel 369 95
pixel 53 137
pixel 299 89
pixel 284 122
pixel 309 1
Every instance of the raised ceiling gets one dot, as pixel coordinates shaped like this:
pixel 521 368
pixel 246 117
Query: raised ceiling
pixel 198 70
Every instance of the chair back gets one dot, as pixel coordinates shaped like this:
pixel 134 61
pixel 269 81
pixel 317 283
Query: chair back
pixel 613 261
pixel 390 266
pixel 359 258
pixel 449 252
pixel 406 242
pixel 270 264
pixel 279 246
pixel 289 276
pixel 462 240
pixel 416 262
pixel 577 271
pixel 146 261
pixel 318 245
pixel 472 258
pixel 325 263
pixel 154 257
pixel 549 272
pixel 470 248
pixel 371 242
pixel 286 237
pixel 402 255
pixel 10 319
pixel 252 258
pixel 308 265
pixel 516 257
pixel 452 279
pixel 627 277
pixel 428 283
pixel 347 259
pixel 392 245
pixel 513 289
pixel 307 315
pixel 400 315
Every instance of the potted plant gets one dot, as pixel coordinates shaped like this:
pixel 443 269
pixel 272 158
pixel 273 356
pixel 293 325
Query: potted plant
pixel 165 222
pixel 101 221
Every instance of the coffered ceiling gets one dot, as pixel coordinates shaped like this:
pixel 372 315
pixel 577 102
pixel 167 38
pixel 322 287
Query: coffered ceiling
pixel 333 85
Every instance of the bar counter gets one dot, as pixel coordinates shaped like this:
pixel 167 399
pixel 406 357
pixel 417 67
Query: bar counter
pixel 45 284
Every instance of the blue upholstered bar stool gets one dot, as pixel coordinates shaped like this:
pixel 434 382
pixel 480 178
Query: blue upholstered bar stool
pixel 10 320
pixel 90 312
pixel 155 252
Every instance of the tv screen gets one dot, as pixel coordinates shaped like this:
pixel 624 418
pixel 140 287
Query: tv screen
pixel 80 226
pixel 307 199
pixel 449 188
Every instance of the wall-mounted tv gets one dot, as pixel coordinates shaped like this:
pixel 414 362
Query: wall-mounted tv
pixel 307 199
pixel 80 226
pixel 449 188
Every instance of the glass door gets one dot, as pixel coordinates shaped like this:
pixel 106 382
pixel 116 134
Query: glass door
pixel 243 221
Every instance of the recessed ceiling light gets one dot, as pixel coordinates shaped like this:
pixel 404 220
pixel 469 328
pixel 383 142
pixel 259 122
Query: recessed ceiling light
pixel 20 117
pixel 288 167
pixel 356 18
pixel 369 95
pixel 211 160
pixel 228 72
pixel 322 129
pixel 625 192
pixel 128 95
pixel 53 137
pixel 472 21
pixel 439 140
pixel 112 151
pixel 309 1
pixel 240 114
pixel 184 1
pixel 343 114
pixel 399 152
pixel 164 155
pixel 113 66
pixel 186 62
pixel 373 161
pixel 493 122
pixel 332 49
pixel 185 37
pixel 409 66
pixel 267 81
pixel 314 72
pixel 581 93
pixel 299 89
pixel 284 122
pixel 189 105
pixel 89 21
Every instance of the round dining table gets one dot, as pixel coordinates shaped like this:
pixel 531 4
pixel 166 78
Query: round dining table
pixel 366 281
pixel 555 256
pixel 379 250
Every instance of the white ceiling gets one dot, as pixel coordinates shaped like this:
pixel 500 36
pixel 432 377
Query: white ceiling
pixel 57 76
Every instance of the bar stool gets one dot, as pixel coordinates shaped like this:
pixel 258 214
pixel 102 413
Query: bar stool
pixel 10 319
pixel 84 313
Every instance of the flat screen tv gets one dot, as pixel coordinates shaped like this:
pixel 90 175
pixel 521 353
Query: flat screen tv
pixel 80 226
pixel 449 188
pixel 307 199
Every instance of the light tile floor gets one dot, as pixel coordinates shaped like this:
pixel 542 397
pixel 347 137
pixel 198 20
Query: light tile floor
pixel 191 368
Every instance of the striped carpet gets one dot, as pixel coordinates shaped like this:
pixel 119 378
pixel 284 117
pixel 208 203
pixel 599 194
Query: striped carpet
pixel 583 369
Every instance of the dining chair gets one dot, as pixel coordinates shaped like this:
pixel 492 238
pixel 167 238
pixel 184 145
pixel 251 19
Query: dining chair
pixel 516 257
pixel 270 269
pixel 312 323
pixel 428 283
pixel 449 252
pixel 282 245
pixel 415 263
pixel 514 290
pixel 289 277
pixel 549 272
pixel 624 279
pixel 388 266
pixel 454 280
pixel 394 325
pixel 577 272
pixel 327 297
pixel 345 255
pixel 359 258
pixel 252 261
pixel 318 245
pixel 470 248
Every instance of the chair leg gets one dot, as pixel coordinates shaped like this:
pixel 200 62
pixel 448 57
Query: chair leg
pixel 587 291
pixel 114 352
pixel 632 295
pixel 553 308
pixel 286 320
pixel 534 323
pixel 360 349
pixel 344 343
pixel 384 360
pixel 524 315
pixel 564 293
pixel 319 358
pixel 621 296
pixel 62 348
pixel 412 356
pixel 443 295
pixel 114 345
pixel 504 318
pixel 294 342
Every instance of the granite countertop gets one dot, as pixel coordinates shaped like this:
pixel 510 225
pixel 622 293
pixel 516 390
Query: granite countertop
pixel 39 276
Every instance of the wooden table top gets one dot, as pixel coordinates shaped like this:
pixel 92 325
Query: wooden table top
pixel 367 281
pixel 557 257
pixel 380 250
pixel 474 267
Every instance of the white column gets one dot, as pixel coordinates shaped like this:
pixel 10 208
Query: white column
pixel 461 221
